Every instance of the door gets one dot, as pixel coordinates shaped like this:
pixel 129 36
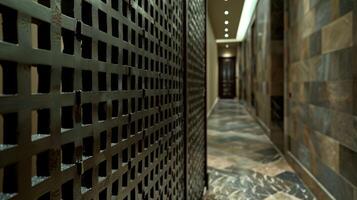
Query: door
pixel 227 85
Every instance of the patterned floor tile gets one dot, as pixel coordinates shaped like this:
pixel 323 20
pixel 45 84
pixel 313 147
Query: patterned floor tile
pixel 243 163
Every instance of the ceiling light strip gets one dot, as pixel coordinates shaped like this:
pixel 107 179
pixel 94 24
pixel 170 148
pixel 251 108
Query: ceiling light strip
pixel 247 14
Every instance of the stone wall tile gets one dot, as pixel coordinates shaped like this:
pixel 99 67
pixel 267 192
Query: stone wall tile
pixel 338 34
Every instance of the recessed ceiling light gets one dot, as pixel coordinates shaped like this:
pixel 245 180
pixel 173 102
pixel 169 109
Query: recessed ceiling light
pixel 226 29
pixel 225 0
pixel 227 46
pixel 226 22
pixel 226 12
pixel 226 35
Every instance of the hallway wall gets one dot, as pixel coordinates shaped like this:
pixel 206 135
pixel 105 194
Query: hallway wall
pixel 212 67
pixel 262 68
pixel 322 92
pixel 320 95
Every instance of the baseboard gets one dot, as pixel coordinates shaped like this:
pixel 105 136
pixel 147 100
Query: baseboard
pixel 316 188
pixel 212 107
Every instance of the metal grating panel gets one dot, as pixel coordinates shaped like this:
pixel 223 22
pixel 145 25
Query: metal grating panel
pixel 91 99
pixel 196 98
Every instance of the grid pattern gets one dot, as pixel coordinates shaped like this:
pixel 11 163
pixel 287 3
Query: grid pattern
pixel 91 99
pixel 196 98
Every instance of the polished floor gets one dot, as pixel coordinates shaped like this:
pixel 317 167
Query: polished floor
pixel 243 163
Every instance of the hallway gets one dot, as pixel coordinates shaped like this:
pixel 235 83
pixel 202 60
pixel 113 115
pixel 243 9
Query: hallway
pixel 243 163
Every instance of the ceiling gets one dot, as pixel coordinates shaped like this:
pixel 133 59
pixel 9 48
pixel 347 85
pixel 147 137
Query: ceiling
pixel 227 50
pixel 217 17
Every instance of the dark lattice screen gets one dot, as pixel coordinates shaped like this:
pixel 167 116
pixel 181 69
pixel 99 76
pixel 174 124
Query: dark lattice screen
pixel 196 111
pixel 91 99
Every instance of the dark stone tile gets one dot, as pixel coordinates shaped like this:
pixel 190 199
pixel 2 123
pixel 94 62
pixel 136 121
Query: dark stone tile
pixel 348 164
pixel 340 96
pixel 323 14
pixel 346 6
pixel 335 184
pixel 320 119
pixel 313 3
pixel 343 129
pixel 315 43
pixel 337 65
pixel 301 153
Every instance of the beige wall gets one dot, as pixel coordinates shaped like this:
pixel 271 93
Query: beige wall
pixel 212 67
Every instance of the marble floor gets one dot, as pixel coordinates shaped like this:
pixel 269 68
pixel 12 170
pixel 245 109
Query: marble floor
pixel 243 163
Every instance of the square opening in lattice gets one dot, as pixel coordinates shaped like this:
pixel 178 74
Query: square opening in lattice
pixel 140 167
pixel 124 131
pixel 103 140
pixel 124 182
pixel 41 34
pixel 115 162
pixel 8 181
pixel 40 79
pixel 132 105
pixel 115 136
pixel 133 151
pixel 133 37
pixel 86 47
pixel 114 82
pixel 67 41
pixel 67 155
pixel 67 117
pixel 88 147
pixel 45 3
pixel 115 108
pixel 140 146
pixel 86 180
pixel 8 130
pixel 102 81
pixel 125 82
pixel 40 167
pixel 115 189
pixel 125 58
pixel 102 111
pixel 132 14
pixel 8 75
pixel 46 196
pixel 8 24
pixel 125 8
pixel 102 170
pixel 67 7
pixel 102 51
pixel 132 173
pixel 132 82
pixel 67 79
pixel 115 55
pixel 86 80
pixel 102 20
pixel 67 190
pixel 103 193
pixel 115 4
pixel 125 107
pixel 115 27
pixel 40 123
pixel 140 104
pixel 125 33
pixel 87 114
pixel 87 13
pixel 133 59
pixel 125 155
